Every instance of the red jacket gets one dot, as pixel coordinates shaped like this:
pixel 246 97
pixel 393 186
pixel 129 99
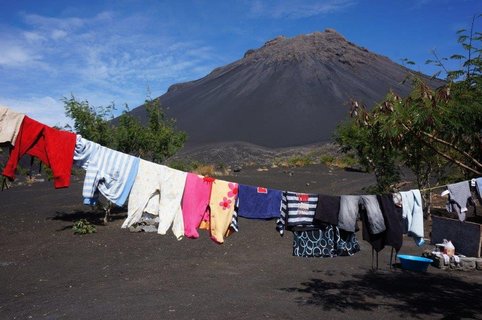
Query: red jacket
pixel 53 147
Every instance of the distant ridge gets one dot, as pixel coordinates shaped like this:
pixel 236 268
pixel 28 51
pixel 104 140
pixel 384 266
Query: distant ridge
pixel 290 92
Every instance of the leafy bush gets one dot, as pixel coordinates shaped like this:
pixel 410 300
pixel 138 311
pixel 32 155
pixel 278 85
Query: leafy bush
pixel 344 161
pixel 300 161
pixel 205 170
pixel 183 165
pixel 83 227
pixel 156 141
pixel 432 132
pixel 327 159
pixel 90 122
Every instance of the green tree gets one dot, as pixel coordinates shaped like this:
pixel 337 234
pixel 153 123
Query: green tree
pixel 364 136
pixel 431 130
pixel 130 135
pixel 164 140
pixel 90 122
pixel 156 141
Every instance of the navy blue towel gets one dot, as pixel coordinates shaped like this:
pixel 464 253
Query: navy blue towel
pixel 258 202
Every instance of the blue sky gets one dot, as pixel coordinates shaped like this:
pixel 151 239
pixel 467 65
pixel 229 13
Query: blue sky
pixel 119 51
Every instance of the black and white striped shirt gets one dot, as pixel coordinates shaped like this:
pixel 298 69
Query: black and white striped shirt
pixel 297 211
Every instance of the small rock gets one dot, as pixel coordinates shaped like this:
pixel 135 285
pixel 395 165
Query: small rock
pixel 237 169
pixel 478 263
pixel 467 264
pixel 307 184
pixel 438 262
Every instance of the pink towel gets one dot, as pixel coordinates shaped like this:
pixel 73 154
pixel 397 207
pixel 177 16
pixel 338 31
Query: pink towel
pixel 195 203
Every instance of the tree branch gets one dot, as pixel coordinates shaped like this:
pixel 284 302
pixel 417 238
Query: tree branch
pixel 457 162
pixel 449 158
pixel 448 144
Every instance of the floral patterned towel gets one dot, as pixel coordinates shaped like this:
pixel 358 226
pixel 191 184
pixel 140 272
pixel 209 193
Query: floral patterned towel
pixel 223 199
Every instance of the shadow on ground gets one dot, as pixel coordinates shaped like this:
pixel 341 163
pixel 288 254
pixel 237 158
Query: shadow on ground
pixel 410 294
pixel 95 217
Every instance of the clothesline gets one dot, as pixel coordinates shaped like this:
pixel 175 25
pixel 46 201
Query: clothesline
pixel 11 128
pixel 322 225
pixel 433 188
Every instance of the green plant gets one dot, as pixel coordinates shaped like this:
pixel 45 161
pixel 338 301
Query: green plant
pixel 300 161
pixel 432 131
pixel 183 165
pixel 49 173
pixel 130 136
pixel 91 122
pixel 340 161
pixel 363 136
pixel 83 226
pixel 348 161
pixel 156 141
pixel 327 159
pixel 163 140
pixel 205 170
pixel 22 171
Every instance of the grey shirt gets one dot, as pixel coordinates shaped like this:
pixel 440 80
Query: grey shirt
pixel 348 213
pixel 459 195
pixel 374 214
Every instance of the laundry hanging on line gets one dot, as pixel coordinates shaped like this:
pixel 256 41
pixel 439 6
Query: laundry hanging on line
pixel 187 202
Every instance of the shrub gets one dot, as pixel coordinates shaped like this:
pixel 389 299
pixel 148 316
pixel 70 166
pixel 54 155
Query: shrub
pixel 205 170
pixel 156 141
pixel 83 227
pixel 300 161
pixel 432 131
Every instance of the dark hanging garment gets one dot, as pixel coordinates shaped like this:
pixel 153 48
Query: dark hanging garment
pixel 326 241
pixel 393 217
pixel 347 244
pixel 327 210
pixel 320 243
pixel 375 219
pixel 377 241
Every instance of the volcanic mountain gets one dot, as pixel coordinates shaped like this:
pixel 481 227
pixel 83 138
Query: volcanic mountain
pixel 289 92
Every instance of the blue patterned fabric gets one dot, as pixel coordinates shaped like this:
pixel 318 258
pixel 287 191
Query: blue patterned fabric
pixel 324 242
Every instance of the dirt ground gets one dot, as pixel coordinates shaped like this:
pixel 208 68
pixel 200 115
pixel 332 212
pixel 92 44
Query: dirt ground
pixel 46 272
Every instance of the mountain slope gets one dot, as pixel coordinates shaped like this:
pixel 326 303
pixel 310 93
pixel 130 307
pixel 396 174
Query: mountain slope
pixel 289 92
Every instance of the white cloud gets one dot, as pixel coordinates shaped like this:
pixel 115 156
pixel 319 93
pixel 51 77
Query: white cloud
pixel 297 9
pixel 14 55
pixel 41 22
pixel 58 34
pixel 33 37
pixel 106 56
pixel 44 109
